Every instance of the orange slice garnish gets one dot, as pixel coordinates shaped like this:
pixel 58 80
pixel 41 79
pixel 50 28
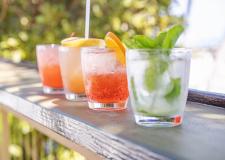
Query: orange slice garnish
pixel 112 41
pixel 118 41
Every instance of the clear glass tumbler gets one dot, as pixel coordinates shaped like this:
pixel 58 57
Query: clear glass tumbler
pixel 158 85
pixel 70 64
pixel 48 66
pixel 105 79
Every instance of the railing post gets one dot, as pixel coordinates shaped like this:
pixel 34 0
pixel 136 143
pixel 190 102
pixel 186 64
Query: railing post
pixel 5 135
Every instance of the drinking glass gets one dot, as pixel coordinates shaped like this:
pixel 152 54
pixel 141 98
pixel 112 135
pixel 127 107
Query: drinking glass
pixel 70 64
pixel 105 79
pixel 49 70
pixel 158 85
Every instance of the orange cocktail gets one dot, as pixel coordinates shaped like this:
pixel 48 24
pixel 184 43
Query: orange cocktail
pixel 70 63
pixel 49 69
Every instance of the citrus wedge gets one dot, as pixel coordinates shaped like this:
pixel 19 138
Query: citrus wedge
pixel 112 41
pixel 117 40
pixel 82 42
pixel 68 40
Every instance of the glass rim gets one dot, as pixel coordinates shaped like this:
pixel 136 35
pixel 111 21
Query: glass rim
pixel 138 54
pixel 68 47
pixel 159 49
pixel 51 45
pixel 96 50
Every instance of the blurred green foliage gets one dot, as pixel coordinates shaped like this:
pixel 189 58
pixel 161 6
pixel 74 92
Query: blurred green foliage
pixel 27 143
pixel 23 24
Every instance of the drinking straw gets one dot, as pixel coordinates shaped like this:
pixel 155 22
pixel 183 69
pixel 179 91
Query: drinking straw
pixel 87 19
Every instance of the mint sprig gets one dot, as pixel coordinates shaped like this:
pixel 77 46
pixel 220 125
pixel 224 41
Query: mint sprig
pixel 157 66
pixel 171 37
pixel 164 40
pixel 145 42
pixel 133 88
pixel 175 90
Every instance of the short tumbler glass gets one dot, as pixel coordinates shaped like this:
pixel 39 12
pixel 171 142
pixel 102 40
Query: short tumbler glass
pixel 105 79
pixel 158 85
pixel 48 66
pixel 70 63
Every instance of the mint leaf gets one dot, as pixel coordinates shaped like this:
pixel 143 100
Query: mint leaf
pixel 165 40
pixel 152 72
pixel 144 41
pixel 160 38
pixel 175 89
pixel 151 76
pixel 140 42
pixel 156 67
pixel 130 44
pixel 133 88
pixel 171 36
pixel 163 65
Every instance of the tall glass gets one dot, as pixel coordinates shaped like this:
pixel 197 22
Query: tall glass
pixel 48 65
pixel 70 63
pixel 105 79
pixel 158 85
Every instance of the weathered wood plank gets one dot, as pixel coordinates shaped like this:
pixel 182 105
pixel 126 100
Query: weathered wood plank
pixel 114 135
pixel 216 99
pixel 55 136
pixel 101 143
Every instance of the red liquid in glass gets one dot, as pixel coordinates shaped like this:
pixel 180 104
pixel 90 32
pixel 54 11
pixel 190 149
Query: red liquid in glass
pixel 107 88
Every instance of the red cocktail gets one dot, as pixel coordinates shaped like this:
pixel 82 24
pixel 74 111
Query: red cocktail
pixel 107 88
pixel 105 79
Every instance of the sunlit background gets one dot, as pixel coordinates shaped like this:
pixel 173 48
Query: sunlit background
pixel 205 33
pixel 23 24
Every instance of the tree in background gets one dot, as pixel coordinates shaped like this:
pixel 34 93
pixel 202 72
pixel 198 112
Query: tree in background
pixel 23 24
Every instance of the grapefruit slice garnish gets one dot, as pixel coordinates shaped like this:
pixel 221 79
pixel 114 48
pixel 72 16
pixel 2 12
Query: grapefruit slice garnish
pixel 113 42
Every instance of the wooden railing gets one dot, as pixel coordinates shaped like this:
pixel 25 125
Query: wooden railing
pixel 104 135
pixel 216 99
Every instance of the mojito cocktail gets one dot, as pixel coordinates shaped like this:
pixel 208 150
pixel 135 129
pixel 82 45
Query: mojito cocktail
pixel 49 69
pixel 158 85
pixel 158 78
